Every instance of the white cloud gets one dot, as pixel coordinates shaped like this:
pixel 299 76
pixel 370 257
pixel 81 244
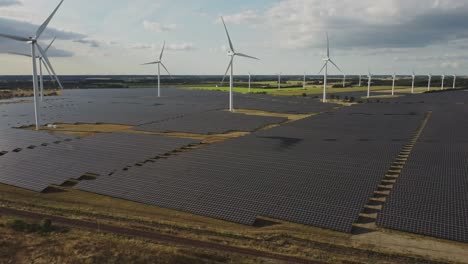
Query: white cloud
pixel 366 23
pixel 187 46
pixel 450 65
pixel 244 17
pixel 158 27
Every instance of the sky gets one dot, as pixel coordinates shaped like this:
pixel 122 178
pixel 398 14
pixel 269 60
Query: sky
pixel 289 36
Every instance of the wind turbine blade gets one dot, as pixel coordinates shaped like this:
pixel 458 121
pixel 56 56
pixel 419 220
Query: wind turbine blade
pixel 328 47
pixel 323 68
pixel 336 66
pixel 48 47
pixel 162 51
pixel 48 71
pixel 162 64
pixel 44 25
pixel 19 54
pixel 15 37
pixel 46 60
pixel 227 70
pixel 227 33
pixel 149 63
pixel 246 56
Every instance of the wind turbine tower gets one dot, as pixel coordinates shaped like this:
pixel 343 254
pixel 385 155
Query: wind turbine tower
pixel 454 81
pixel 412 83
pixel 327 60
pixel 393 84
pixel 232 53
pixel 369 81
pixel 429 82
pixel 443 79
pixel 159 63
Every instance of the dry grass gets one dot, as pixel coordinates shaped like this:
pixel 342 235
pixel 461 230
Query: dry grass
pixel 78 246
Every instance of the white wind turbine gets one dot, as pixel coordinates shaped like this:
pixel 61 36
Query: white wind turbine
pixel 429 82
pixel 232 53
pixel 159 63
pixel 34 44
pixel 360 80
pixel 412 83
pixel 42 62
pixel 393 84
pixel 344 80
pixel 325 67
pixel 443 80
pixel 454 81
pixel 369 81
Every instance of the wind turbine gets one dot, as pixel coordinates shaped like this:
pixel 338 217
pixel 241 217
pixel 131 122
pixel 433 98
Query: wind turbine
pixel 429 82
pixel 344 80
pixel 360 80
pixel 393 84
pixel 454 80
pixel 159 63
pixel 369 81
pixel 232 53
pixel 412 83
pixel 443 79
pixel 41 63
pixel 34 45
pixel 325 67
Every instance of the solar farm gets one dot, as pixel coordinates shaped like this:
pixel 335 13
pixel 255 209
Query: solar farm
pixel 389 165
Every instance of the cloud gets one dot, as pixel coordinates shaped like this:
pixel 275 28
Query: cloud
pixel 158 27
pixel 186 46
pixel 300 24
pixel 20 28
pixel 244 17
pixel 90 42
pixel 9 2
pixel 142 46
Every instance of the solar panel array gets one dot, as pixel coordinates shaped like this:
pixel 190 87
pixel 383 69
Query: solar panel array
pixel 431 195
pixel 36 169
pixel 319 171
pixel 211 122
pixel 18 139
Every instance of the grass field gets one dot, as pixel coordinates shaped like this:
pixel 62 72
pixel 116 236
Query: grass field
pixel 310 90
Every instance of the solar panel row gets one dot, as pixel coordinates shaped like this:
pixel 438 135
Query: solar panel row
pixel 100 155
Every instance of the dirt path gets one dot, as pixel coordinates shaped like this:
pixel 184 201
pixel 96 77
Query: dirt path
pixel 152 236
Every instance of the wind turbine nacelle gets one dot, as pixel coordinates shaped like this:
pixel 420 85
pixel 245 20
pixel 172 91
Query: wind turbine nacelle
pixel 230 53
